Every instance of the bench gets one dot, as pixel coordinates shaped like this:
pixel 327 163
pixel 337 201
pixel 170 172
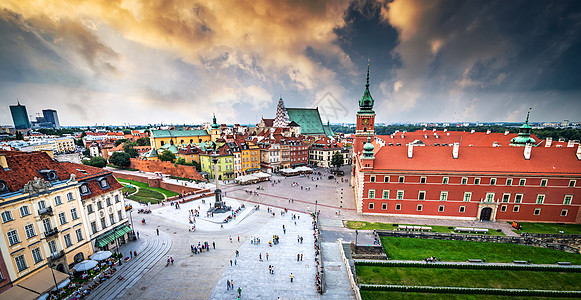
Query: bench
pixel 470 229
pixel 564 263
pixel 475 260
pixel 522 262
pixel 414 228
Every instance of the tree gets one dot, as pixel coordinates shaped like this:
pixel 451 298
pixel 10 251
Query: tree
pixel 143 141
pixel 19 135
pixel 120 141
pixel 87 152
pixel 95 161
pixel 79 142
pixel 120 159
pixel 128 148
pixel 337 160
pixel 167 155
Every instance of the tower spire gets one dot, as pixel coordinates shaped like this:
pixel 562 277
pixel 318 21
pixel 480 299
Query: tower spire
pixel 368 62
pixel 528 113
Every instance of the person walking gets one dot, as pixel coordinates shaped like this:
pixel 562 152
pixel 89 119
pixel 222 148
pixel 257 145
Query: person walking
pixel 266 256
pixel 298 256
pixel 137 234
pixel 239 292
pixel 227 284
pixel 214 244
pixel 237 253
pixel 292 277
pixel 301 257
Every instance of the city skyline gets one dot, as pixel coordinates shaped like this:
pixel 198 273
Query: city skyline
pixel 179 61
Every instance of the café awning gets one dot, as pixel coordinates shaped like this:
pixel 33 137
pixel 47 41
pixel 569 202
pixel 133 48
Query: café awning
pixel 19 293
pixel 110 236
pixel 42 281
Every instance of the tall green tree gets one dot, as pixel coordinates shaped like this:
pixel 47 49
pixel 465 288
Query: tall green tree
pixel 95 161
pixel 337 160
pixel 19 135
pixel 120 159
pixel 128 148
pixel 143 141
pixel 167 155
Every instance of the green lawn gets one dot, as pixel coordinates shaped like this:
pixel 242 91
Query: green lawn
pixel 128 189
pixel 146 195
pixel 549 228
pixel 496 279
pixel 384 295
pixel 142 185
pixel 389 226
pixel 418 249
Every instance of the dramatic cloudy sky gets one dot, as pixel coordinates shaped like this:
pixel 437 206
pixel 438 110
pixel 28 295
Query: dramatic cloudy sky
pixel 179 61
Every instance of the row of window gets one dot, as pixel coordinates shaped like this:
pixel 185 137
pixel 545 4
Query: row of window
pixel 14 238
pixel 477 181
pixel 468 196
pixel 104 223
pixel 100 204
pixel 462 209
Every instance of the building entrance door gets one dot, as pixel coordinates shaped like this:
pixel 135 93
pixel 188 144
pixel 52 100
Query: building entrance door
pixel 485 214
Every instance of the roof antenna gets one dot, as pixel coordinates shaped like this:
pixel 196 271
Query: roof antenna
pixel 528 113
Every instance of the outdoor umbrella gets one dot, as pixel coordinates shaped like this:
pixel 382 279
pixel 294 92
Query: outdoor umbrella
pixel 101 255
pixel 85 265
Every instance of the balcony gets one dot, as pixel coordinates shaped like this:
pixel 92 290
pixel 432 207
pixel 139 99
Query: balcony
pixel 56 255
pixel 45 211
pixel 50 233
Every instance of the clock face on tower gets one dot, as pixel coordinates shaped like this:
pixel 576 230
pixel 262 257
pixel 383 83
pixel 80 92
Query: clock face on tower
pixel 365 121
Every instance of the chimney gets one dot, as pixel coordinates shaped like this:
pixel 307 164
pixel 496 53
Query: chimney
pixel 447 133
pixel 425 136
pixel 402 136
pixel 437 136
pixel 410 150
pixel 455 150
pixel 506 132
pixel 3 162
pixel 578 153
pixel 472 131
pixel 549 142
pixel 424 129
pixel 527 153
pixel 571 144
pixel 445 129
pixel 488 131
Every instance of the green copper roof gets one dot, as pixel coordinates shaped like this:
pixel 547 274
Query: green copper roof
pixel 328 130
pixel 214 124
pixel 368 148
pixel 524 134
pixel 173 149
pixel 366 102
pixel 177 133
pixel 308 118
pixel 151 153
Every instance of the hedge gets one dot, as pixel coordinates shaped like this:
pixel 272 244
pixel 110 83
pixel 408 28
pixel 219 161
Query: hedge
pixel 470 266
pixel 463 290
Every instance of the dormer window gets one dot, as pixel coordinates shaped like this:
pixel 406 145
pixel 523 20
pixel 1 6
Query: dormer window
pixel 3 187
pixel 85 189
pixel 103 183
pixel 49 175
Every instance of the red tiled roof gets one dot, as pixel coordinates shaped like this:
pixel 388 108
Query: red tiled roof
pixel 479 159
pixel 268 122
pixel 24 166
pixel 92 173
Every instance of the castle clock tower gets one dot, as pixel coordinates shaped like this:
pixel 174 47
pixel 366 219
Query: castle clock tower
pixel 365 119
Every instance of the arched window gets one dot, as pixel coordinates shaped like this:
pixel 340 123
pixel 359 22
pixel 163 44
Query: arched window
pixel 162 143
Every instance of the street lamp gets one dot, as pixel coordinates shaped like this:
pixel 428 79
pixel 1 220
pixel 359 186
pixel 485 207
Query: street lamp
pixel 51 265
pixel 356 234
pixel 316 202
pixel 131 220
pixel 117 242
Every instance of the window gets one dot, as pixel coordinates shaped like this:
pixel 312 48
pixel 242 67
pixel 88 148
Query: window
pixel 522 182
pixel 464 180
pixel 370 205
pixel 41 205
pixel 564 212
pixel 445 180
pixel 90 208
pixel 20 263
pixel 537 211
pixel 489 197
pixel 422 195
pixel 544 182
pixel 85 189
pixel 398 206
pixel 62 218
pixel 477 181
pixel 74 214
pixel 6 217
pixel 503 208
pixel 441 208
pixel 505 198
pixel 58 200
pixel 401 179
pixel 385 194
pixel 103 183
pixel 29 231
pixel 509 181
pixel 462 209
pixel 36 255
pixel 103 223
pixel 24 211
pixel 467 196
pixel 540 199
pixel 420 207
pixel 443 196
pixel 372 178
pixel 492 181
pixel 70 197
pixel 568 199
pixel 108 201
pixel 423 179
pixel 371 193
pixel 515 208
pixel 112 219
pixel 52 247
pixel 94 227
pixel 384 206
pixel 13 237
pixel 518 198
pixel 399 195
pixel 386 178
pixel 68 241
pixel 572 183
pixel 47 225
pixel 119 215
pixel 99 205
pixel 79 234
pixel 117 199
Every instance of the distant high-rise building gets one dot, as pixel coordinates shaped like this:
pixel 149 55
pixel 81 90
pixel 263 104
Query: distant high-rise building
pixel 50 116
pixel 20 116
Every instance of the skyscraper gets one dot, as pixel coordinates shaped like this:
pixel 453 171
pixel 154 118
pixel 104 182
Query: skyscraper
pixel 50 116
pixel 20 116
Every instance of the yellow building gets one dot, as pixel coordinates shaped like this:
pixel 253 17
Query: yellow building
pixel 43 222
pixel 159 138
pixel 189 153
pixel 64 145
pixel 250 154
